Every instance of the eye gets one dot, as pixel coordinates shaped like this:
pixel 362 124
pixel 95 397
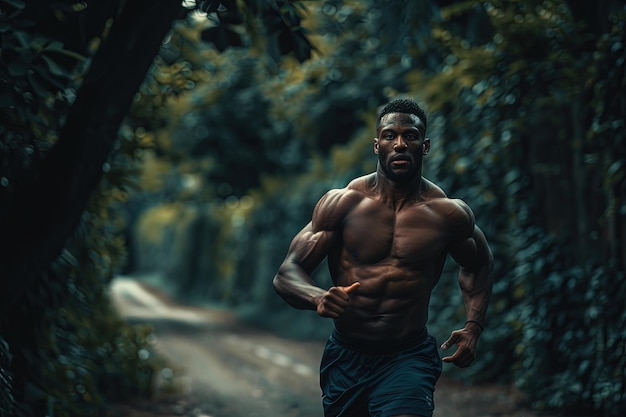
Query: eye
pixel 388 135
pixel 411 136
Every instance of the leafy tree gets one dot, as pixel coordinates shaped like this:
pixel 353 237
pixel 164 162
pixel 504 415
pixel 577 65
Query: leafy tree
pixel 64 97
pixel 520 127
pixel 69 74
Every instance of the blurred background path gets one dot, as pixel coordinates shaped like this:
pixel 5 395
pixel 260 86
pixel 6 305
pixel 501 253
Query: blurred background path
pixel 227 369
pixel 239 370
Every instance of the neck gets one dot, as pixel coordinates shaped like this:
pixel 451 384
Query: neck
pixel 395 194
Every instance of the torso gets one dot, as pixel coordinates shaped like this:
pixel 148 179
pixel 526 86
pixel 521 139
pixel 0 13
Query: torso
pixel 397 254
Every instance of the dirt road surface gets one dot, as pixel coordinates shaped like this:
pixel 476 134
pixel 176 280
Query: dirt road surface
pixel 224 368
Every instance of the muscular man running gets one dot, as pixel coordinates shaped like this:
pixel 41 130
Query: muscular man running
pixel 387 236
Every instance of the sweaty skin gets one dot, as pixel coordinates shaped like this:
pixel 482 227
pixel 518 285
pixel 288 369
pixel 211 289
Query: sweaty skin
pixel 386 236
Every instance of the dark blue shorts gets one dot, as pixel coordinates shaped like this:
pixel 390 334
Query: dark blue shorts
pixel 379 380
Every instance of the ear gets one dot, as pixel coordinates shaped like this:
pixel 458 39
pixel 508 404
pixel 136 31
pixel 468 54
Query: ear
pixel 376 146
pixel 426 146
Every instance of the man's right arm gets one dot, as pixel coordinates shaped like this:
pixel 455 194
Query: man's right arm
pixel 293 281
pixel 308 248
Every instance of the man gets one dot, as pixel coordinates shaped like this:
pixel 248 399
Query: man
pixel 387 236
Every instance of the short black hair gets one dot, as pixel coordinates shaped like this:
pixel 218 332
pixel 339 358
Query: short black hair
pixel 402 105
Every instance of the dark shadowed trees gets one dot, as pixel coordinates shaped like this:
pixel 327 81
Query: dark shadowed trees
pixel 70 71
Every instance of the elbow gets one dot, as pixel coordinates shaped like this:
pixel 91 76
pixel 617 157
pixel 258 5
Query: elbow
pixel 282 279
pixel 278 283
pixel 484 266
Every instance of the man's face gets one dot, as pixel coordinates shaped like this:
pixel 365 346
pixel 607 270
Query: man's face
pixel 400 145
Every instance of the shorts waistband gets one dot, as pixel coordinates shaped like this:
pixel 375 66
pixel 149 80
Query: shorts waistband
pixel 379 347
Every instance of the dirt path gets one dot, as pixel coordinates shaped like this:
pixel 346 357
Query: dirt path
pixel 225 369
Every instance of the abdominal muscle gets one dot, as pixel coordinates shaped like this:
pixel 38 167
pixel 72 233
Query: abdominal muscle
pixel 390 304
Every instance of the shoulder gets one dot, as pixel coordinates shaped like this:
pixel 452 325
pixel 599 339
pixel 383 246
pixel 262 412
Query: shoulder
pixel 334 206
pixel 363 183
pixel 456 214
pixel 454 209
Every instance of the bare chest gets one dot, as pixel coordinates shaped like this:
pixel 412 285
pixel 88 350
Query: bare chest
pixel 413 237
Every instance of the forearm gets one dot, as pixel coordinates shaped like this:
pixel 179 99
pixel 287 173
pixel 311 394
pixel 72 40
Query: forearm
pixel 476 287
pixel 296 287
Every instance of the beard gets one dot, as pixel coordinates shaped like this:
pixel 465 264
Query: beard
pixel 398 175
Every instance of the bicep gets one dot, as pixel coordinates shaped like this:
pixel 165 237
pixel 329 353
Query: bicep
pixel 308 248
pixel 315 240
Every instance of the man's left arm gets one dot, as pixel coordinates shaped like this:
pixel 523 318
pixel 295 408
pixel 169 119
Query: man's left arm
pixel 476 281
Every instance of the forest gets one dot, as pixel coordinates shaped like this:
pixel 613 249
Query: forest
pixel 186 143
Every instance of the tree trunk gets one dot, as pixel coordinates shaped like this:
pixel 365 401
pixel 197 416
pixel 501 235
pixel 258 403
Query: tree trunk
pixel 45 209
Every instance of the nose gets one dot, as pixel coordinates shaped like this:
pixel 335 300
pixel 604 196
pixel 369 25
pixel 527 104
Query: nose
pixel 399 144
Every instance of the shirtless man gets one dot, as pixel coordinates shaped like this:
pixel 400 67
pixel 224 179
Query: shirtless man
pixel 387 236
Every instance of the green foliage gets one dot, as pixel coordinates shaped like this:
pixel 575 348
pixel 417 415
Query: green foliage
pixel 276 24
pixel 77 354
pixel 70 351
pixel 218 121
pixel 517 132
pixel 37 79
pixel 588 372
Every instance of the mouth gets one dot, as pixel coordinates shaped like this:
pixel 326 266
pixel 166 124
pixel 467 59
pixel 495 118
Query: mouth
pixel 400 162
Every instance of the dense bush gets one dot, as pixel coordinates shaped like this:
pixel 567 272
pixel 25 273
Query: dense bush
pixel 522 133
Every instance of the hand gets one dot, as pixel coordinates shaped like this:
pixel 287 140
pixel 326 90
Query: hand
pixel 334 301
pixel 465 339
